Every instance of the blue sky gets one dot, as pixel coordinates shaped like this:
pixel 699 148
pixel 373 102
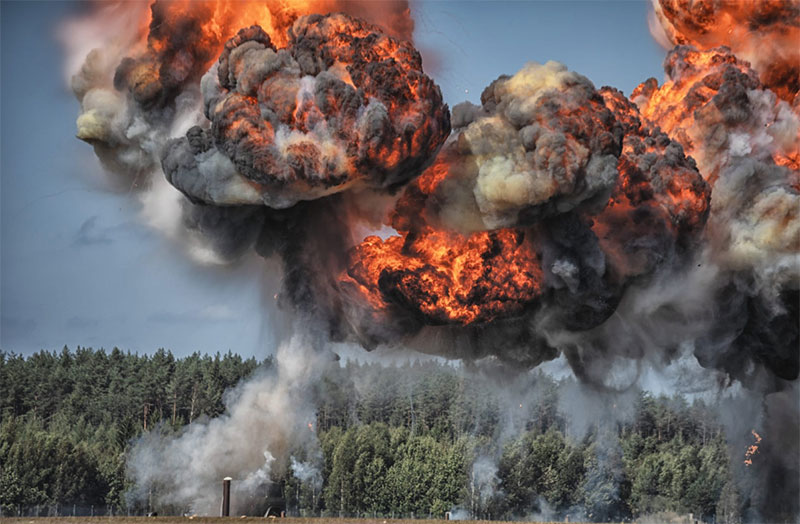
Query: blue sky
pixel 78 268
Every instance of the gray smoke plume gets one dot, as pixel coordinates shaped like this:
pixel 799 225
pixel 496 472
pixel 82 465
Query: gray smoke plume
pixel 266 419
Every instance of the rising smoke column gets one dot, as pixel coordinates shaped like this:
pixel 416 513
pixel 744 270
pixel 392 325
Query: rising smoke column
pixel 253 438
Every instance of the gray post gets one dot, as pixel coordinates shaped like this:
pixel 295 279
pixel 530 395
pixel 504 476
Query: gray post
pixel 226 497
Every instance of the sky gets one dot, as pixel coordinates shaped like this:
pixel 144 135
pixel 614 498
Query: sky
pixel 79 267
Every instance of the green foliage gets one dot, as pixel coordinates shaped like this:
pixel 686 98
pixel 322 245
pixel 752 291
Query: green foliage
pixel 421 438
pixel 66 418
pixel 541 466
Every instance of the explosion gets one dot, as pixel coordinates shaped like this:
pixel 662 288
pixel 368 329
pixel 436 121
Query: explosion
pixel 714 104
pixel 527 224
pixel 555 219
pixel 138 86
pixel 185 37
pixel 551 196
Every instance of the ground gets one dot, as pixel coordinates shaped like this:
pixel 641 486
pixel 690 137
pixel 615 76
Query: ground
pixel 222 520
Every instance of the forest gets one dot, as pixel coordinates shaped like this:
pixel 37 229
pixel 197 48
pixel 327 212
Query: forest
pixel 416 439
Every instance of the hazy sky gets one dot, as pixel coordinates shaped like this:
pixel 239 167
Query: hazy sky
pixel 77 267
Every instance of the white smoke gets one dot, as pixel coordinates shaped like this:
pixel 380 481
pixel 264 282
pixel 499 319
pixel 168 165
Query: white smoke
pixel 265 417
pixel 127 140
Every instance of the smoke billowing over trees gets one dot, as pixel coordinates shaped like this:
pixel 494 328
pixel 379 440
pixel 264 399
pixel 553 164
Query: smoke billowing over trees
pixel 414 438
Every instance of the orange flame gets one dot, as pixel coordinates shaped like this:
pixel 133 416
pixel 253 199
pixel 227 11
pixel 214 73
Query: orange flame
pixel 694 81
pixel 443 276
pixel 752 449
pixel 446 277
pixel 186 36
pixel 766 33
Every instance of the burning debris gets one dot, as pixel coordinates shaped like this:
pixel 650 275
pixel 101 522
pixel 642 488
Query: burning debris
pixel 752 449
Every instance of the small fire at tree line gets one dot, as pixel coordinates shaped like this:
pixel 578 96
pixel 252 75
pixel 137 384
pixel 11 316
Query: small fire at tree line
pixel 752 449
pixel 554 218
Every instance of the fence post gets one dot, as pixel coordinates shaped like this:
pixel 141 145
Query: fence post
pixel 226 497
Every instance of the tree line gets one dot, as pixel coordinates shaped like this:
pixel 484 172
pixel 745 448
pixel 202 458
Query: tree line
pixel 68 417
pixel 420 439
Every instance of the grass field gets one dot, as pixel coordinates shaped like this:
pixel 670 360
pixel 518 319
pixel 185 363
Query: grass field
pixel 223 520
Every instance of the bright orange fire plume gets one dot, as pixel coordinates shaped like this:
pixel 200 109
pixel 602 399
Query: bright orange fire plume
pixel 701 85
pixel 186 36
pixel 442 276
pixel 766 33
